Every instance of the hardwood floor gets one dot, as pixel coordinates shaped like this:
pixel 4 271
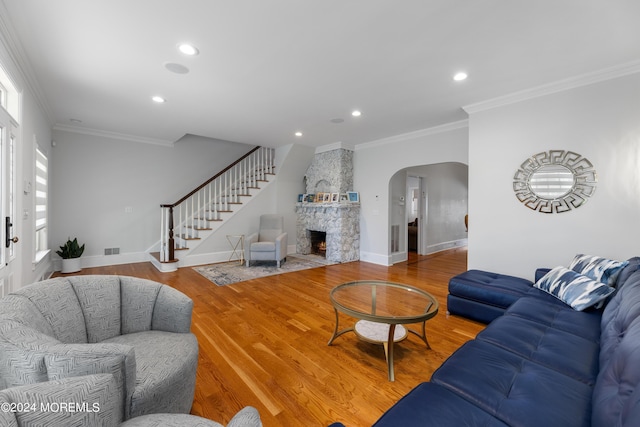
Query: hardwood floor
pixel 264 342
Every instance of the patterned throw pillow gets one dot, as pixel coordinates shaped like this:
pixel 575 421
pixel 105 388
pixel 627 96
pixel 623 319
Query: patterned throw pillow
pixel 596 268
pixel 574 289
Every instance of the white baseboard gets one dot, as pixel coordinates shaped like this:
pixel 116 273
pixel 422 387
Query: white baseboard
pixel 399 257
pixel 375 258
pixel 104 260
pixel 446 245
pixel 216 257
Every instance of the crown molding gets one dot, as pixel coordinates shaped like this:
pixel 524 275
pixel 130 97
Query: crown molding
pixel 23 66
pixel 555 87
pixel 113 135
pixel 335 146
pixel 448 127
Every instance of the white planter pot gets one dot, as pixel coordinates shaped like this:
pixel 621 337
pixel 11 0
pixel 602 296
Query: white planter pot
pixel 71 265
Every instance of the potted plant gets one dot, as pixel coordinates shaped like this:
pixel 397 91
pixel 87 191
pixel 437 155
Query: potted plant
pixel 70 253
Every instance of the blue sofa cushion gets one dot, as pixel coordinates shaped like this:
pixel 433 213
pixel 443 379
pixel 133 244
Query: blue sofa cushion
pixel 561 351
pixel 474 310
pixel 597 268
pixel 576 290
pixel 559 316
pixel 490 288
pixel 514 389
pixel 417 409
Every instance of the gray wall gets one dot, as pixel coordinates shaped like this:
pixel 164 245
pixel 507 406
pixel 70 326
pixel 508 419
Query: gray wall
pixel 107 192
pixel 600 121
pixel 375 164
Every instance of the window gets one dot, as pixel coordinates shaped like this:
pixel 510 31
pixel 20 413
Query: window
pixel 41 193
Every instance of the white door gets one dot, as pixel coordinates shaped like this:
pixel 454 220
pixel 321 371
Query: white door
pixel 9 224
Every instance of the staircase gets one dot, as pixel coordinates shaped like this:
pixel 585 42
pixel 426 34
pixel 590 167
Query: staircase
pixel 195 217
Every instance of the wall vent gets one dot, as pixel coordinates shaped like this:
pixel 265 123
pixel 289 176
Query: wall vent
pixel 112 251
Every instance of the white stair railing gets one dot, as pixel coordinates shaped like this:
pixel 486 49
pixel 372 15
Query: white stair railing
pixel 181 221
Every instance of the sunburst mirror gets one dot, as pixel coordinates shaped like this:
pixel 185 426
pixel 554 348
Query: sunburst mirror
pixel 555 181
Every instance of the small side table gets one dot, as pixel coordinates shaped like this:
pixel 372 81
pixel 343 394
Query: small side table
pixel 237 245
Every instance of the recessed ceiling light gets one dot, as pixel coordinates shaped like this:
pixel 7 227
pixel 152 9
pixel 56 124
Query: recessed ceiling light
pixel 75 120
pixel 158 99
pixel 298 134
pixel 356 113
pixel 460 76
pixel 337 120
pixel 188 49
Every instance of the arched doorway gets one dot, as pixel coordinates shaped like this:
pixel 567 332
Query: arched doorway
pixel 437 196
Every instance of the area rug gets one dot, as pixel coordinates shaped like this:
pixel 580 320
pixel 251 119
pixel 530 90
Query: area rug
pixel 225 273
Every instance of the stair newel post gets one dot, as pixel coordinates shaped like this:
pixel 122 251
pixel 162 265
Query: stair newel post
pixel 180 215
pixel 171 241
pixel 163 240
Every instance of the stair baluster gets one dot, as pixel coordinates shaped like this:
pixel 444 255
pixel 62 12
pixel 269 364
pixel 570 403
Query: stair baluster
pixel 192 212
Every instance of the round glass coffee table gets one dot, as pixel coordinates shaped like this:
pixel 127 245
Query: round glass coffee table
pixel 382 308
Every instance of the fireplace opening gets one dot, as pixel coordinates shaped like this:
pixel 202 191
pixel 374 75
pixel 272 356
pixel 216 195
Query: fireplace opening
pixel 318 242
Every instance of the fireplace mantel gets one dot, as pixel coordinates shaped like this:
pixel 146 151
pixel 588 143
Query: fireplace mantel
pixel 341 222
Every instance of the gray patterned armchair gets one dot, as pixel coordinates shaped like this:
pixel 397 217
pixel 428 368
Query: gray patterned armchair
pixel 135 329
pixel 92 400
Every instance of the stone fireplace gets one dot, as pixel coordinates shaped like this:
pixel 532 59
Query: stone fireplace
pixel 338 221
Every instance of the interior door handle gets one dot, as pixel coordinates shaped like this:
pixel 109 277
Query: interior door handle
pixel 7 232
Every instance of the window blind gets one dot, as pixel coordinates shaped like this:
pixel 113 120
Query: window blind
pixel 41 190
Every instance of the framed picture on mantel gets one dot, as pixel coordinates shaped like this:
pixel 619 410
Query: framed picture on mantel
pixel 354 197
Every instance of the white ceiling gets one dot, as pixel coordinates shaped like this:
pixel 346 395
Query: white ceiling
pixel 268 68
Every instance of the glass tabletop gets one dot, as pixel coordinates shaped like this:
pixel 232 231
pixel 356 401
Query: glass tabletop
pixel 383 301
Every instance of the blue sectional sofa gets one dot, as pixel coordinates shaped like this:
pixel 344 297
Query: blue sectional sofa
pixel 541 363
